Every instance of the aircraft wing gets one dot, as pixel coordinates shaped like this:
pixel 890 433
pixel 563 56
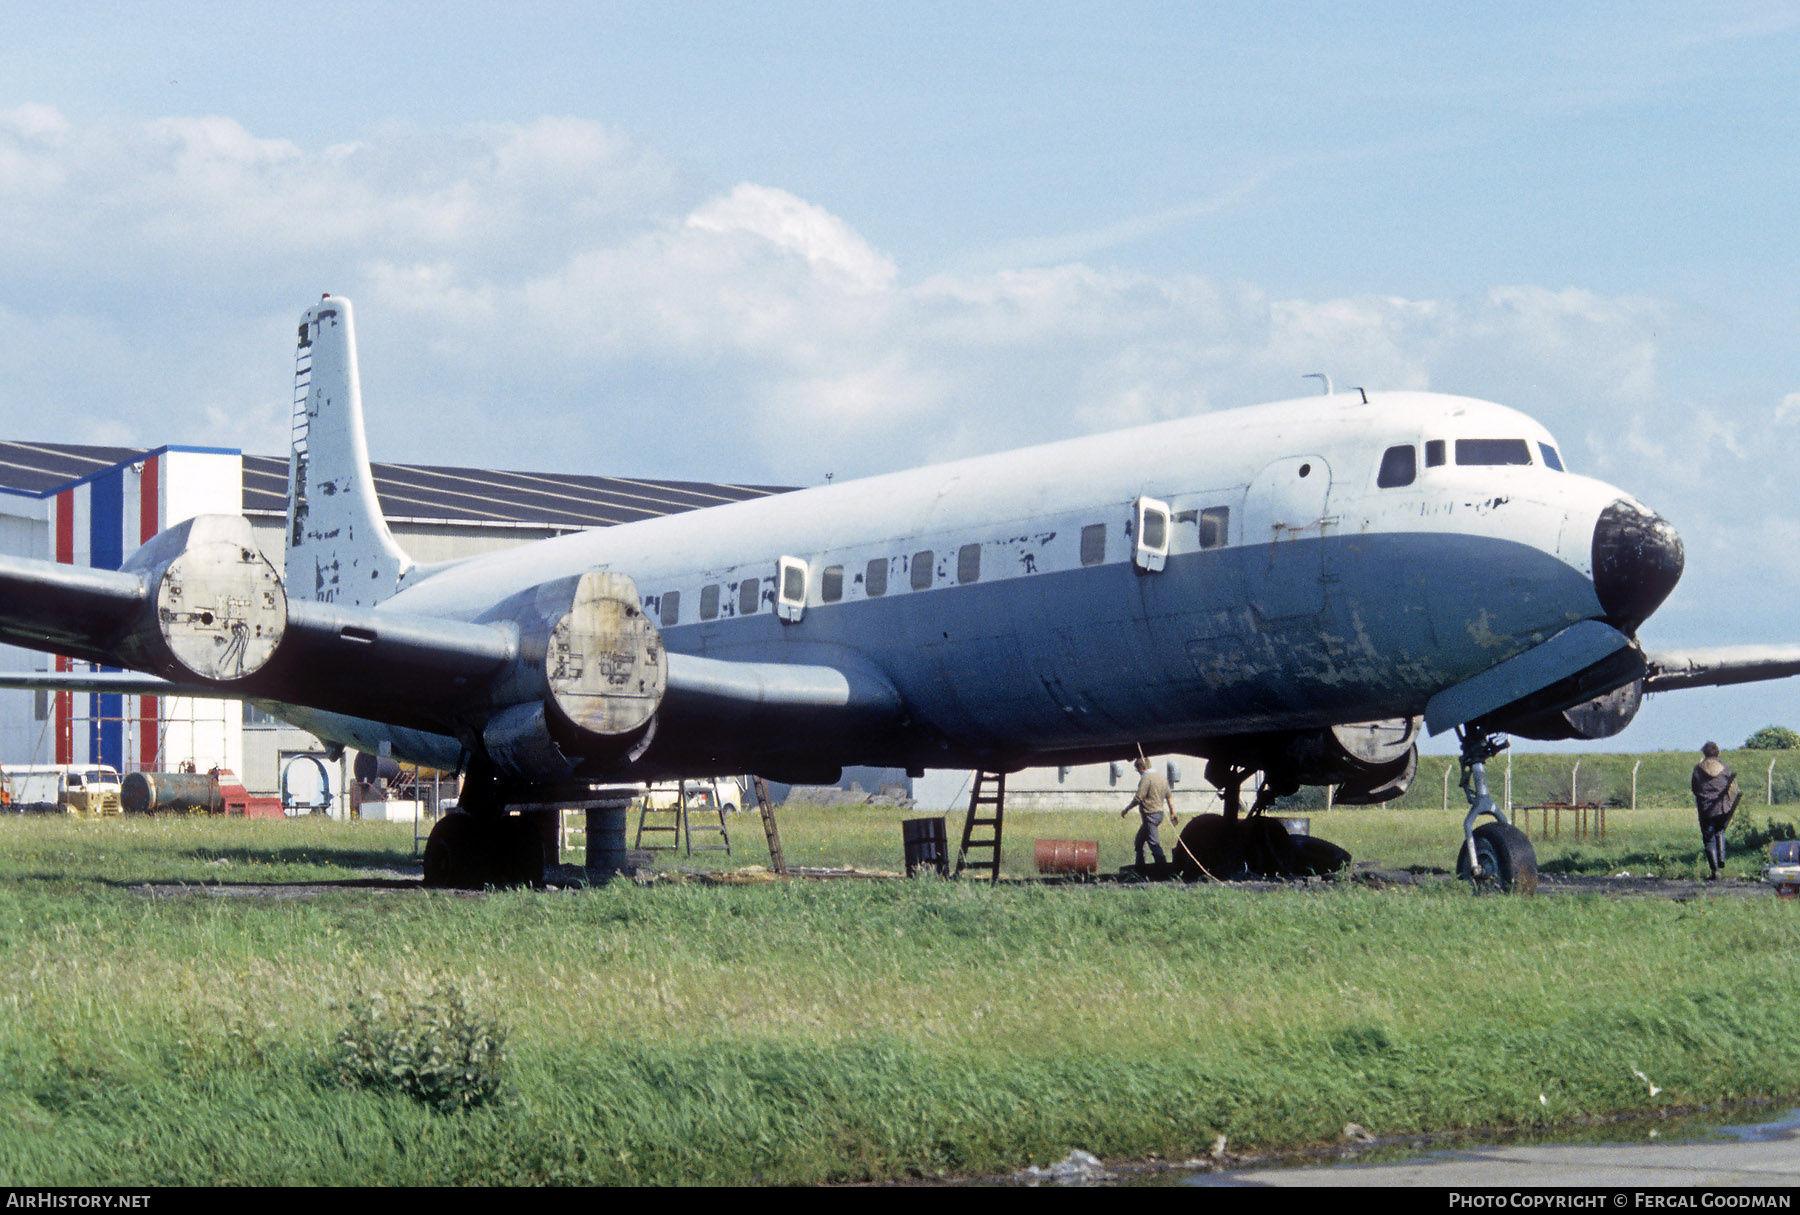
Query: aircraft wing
pixel 1718 666
pixel 203 615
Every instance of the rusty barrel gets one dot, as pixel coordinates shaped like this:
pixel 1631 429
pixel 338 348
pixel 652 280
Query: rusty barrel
pixel 1068 856
pixel 927 843
pixel 152 792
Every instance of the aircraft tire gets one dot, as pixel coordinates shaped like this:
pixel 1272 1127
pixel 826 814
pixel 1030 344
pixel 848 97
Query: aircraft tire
pixel 455 858
pixel 518 851
pixel 1508 862
pixel 1210 847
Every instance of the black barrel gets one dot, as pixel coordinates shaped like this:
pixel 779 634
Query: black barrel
pixel 149 792
pixel 927 845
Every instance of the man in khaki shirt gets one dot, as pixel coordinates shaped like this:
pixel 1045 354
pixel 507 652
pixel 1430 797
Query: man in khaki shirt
pixel 1152 795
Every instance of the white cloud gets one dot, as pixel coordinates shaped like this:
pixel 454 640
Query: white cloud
pixel 552 293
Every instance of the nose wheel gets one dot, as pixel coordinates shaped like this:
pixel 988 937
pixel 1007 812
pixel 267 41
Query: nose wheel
pixel 1495 857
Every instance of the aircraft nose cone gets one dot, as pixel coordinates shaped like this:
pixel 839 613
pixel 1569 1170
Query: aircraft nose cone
pixel 1637 562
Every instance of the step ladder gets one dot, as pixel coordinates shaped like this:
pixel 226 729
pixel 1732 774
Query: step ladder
pixel 989 794
pixel 705 828
pixel 777 862
pixel 645 826
pixel 680 826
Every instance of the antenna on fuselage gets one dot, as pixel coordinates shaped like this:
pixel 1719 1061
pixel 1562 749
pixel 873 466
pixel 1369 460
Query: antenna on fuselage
pixel 1321 377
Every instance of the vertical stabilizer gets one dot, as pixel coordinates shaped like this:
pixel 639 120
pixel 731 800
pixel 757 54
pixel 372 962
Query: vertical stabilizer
pixel 339 549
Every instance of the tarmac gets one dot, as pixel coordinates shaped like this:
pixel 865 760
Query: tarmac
pixel 1765 1156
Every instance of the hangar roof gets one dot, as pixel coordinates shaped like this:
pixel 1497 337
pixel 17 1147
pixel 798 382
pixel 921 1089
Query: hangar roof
pixel 408 491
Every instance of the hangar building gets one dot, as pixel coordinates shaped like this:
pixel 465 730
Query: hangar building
pixel 94 506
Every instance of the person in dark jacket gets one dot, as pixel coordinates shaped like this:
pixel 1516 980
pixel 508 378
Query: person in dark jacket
pixel 1716 797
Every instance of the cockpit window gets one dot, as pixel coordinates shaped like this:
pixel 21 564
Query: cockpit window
pixel 1492 451
pixel 1551 459
pixel 1434 453
pixel 1399 465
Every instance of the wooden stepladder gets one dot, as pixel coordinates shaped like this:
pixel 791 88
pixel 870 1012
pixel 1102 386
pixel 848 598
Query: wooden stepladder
pixel 704 827
pixel 681 825
pixel 988 795
pixel 777 862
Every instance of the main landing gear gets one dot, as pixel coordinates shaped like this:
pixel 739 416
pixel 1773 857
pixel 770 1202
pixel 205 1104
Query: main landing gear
pixel 1236 844
pixel 481 844
pixel 1495 856
pixel 468 851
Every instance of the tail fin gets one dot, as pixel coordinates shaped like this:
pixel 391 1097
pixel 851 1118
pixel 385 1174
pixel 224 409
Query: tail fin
pixel 339 549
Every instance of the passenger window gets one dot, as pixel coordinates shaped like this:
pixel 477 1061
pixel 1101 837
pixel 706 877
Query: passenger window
pixel 831 584
pixel 1551 459
pixel 1434 453
pixel 921 569
pixel 1214 522
pixel 749 595
pixel 1492 451
pixel 1399 465
pixel 875 578
pixel 968 564
pixel 1156 530
pixel 709 602
pixel 1093 544
pixel 671 608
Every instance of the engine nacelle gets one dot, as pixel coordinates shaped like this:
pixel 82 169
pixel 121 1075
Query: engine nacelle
pixel 1601 717
pixel 593 673
pixel 1344 753
pixel 217 607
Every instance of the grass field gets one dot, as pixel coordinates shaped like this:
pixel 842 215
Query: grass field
pixel 810 1031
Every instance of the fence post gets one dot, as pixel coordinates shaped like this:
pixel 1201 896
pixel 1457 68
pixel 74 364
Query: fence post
pixel 1634 768
pixel 1769 789
pixel 1575 784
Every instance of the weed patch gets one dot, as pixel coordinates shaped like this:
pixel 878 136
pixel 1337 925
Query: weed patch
pixel 434 1048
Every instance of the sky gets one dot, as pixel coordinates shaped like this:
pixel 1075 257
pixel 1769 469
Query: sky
pixel 775 242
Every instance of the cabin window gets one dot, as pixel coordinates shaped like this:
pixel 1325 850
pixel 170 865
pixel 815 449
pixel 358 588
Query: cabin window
pixel 831 584
pixel 790 587
pixel 875 578
pixel 749 592
pixel 921 569
pixel 1434 453
pixel 1214 523
pixel 1399 465
pixel 968 564
pixel 1492 451
pixel 1093 544
pixel 709 602
pixel 1152 535
pixel 1551 459
pixel 671 608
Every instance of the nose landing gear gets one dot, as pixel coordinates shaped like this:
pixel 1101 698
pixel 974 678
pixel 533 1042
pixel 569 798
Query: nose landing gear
pixel 1495 857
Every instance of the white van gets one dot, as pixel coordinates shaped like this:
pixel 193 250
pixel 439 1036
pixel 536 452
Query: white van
pixel 60 788
pixel 723 791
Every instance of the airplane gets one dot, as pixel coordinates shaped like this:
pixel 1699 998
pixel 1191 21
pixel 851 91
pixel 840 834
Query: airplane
pixel 1297 589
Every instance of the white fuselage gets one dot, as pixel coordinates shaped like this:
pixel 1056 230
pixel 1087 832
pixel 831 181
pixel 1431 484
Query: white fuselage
pixel 1005 598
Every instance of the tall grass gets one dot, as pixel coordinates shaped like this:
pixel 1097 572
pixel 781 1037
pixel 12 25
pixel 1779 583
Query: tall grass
pixel 810 1031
